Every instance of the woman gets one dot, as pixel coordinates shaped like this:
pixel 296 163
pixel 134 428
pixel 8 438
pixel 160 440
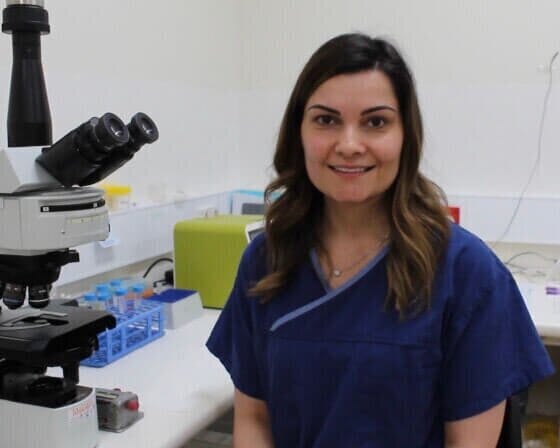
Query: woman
pixel 363 317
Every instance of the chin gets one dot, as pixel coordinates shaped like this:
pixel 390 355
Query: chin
pixel 353 198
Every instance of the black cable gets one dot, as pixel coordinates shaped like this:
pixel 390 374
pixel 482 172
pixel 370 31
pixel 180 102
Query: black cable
pixel 159 260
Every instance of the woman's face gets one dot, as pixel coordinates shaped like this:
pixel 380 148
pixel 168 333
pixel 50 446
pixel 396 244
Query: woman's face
pixel 352 137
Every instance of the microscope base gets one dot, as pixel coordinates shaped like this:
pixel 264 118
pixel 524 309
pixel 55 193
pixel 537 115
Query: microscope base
pixel 71 426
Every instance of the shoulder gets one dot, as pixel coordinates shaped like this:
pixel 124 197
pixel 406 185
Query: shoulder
pixel 469 270
pixel 467 253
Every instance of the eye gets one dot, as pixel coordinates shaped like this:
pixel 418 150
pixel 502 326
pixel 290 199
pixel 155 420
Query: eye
pixel 376 122
pixel 325 120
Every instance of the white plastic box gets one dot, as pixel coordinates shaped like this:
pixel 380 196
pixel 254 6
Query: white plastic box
pixel 179 305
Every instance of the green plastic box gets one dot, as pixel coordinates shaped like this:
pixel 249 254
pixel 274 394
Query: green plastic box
pixel 207 254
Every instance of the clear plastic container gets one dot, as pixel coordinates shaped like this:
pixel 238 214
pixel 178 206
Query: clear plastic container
pixel 89 300
pixel 115 283
pixel 119 296
pixel 104 288
pixel 103 300
pixel 137 294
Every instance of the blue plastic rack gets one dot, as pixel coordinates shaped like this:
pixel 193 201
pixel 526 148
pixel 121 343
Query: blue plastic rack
pixel 133 330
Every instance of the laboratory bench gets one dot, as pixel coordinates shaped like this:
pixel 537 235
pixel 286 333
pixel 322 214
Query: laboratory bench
pixel 181 387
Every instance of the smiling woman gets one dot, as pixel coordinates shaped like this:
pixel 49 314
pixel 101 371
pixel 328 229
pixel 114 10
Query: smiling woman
pixel 352 137
pixel 363 317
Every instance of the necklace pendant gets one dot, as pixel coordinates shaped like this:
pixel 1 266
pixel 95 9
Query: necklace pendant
pixel 336 272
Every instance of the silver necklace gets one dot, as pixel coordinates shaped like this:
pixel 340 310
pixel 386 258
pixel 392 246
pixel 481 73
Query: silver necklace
pixel 337 272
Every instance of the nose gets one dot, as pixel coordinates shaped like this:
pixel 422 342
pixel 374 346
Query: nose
pixel 349 142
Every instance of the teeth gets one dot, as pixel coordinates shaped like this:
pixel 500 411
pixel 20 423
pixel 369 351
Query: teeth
pixel 350 170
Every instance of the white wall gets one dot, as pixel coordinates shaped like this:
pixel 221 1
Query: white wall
pixel 477 70
pixel 176 60
pixel 216 75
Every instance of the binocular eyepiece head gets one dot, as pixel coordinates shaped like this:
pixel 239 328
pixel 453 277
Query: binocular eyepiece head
pixel 97 148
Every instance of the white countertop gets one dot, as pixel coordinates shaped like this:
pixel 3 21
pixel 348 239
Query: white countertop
pixel 181 387
pixel 544 309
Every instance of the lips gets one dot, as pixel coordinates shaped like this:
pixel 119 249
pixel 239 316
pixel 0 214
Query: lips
pixel 351 169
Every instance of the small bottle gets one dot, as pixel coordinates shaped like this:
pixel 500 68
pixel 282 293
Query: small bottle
pixel 119 296
pixel 103 298
pixel 137 291
pixel 102 287
pixel 115 283
pixel 89 300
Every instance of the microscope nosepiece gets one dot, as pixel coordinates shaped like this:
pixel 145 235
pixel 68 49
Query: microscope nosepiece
pixel 39 296
pixel 14 295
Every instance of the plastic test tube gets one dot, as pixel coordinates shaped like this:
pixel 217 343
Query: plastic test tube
pixel 104 288
pixel 115 283
pixel 90 300
pixel 119 295
pixel 137 294
pixel 103 298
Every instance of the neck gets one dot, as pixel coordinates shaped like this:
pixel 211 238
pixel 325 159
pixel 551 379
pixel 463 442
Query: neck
pixel 355 220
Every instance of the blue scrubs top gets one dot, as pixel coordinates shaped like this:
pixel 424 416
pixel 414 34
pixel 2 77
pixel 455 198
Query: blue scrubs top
pixel 337 369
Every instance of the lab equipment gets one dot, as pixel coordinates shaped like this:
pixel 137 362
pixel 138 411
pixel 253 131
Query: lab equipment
pixel 115 283
pixel 104 289
pixel 137 294
pixel 88 300
pixel 253 229
pixel 207 253
pixel 104 299
pixel 119 299
pixel 116 409
pixel 179 305
pixel 43 215
pixel 133 330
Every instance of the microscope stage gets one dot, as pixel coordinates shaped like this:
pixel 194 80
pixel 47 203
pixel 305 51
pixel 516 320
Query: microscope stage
pixel 45 336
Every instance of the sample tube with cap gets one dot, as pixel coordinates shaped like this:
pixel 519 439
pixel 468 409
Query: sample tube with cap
pixel 103 298
pixel 115 283
pixel 137 291
pixel 89 300
pixel 105 288
pixel 119 295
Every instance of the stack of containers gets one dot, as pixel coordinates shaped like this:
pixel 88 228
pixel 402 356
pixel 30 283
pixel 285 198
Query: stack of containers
pixel 137 323
pixel 119 296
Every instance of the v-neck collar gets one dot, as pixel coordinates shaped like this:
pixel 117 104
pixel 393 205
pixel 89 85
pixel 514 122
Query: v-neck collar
pixel 330 293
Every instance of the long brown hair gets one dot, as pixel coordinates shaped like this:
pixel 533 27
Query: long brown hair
pixel 415 205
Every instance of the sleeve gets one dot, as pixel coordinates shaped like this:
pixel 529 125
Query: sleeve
pixel 232 339
pixel 491 350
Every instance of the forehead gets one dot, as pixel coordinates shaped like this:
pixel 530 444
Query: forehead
pixel 355 90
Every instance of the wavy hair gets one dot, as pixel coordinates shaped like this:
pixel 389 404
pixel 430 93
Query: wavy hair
pixel 416 206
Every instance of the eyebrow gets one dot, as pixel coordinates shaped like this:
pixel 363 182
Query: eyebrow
pixel 364 112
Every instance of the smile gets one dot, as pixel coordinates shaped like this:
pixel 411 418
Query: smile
pixel 351 169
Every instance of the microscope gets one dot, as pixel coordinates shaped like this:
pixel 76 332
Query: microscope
pixel 46 209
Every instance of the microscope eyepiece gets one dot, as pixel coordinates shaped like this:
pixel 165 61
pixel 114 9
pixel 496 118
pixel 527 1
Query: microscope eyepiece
pixel 84 150
pixel 110 130
pixel 142 129
pixel 97 148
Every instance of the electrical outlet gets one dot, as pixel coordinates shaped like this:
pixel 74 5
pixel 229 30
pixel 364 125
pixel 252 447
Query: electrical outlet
pixel 206 211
